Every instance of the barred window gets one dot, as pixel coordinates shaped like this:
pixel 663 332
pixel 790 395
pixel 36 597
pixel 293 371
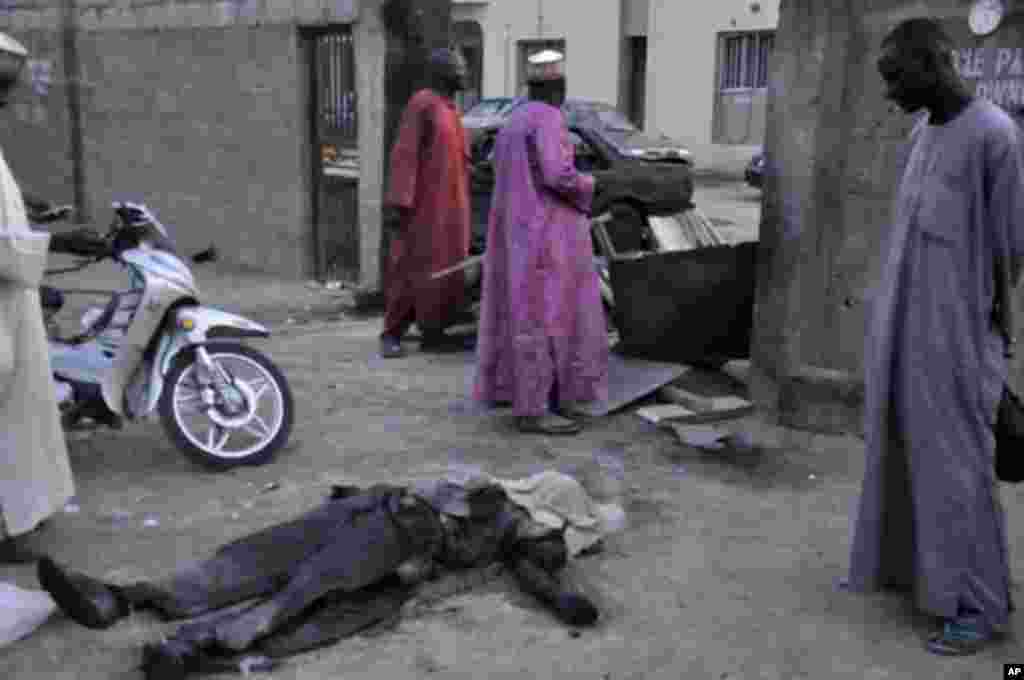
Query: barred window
pixel 744 60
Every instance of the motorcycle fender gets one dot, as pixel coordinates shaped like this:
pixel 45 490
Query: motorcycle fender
pixel 115 381
pixel 206 323
pixel 170 345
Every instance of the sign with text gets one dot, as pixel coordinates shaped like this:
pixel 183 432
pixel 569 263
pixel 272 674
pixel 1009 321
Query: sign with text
pixel 996 73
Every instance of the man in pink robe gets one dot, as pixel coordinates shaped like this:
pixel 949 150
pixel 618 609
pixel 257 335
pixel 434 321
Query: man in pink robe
pixel 542 340
pixel 428 212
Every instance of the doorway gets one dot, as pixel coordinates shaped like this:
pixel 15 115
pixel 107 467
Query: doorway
pixel 335 144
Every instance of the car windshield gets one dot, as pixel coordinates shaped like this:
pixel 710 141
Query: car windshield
pixel 490 107
pixel 598 115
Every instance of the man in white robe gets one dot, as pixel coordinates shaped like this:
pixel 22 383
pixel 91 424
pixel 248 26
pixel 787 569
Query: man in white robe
pixel 35 476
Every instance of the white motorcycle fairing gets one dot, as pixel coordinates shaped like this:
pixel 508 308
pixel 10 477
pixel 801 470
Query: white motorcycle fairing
pixel 192 328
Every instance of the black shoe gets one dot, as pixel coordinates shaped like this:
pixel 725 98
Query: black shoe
pixel 19 550
pixel 85 600
pixel 391 347
pixel 443 344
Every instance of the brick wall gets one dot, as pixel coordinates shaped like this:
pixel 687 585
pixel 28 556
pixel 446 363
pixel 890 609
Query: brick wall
pixel 198 109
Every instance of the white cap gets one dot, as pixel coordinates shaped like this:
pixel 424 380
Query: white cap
pixel 545 65
pixel 12 46
pixel 546 57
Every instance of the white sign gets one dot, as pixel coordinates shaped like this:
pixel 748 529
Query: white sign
pixel 996 73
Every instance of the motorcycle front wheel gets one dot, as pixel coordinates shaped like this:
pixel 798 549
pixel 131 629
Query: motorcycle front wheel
pixel 250 418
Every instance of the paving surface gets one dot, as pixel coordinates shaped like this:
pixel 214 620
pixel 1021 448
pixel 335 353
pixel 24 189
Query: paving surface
pixel 726 570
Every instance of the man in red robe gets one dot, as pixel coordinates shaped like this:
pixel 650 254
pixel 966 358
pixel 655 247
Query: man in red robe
pixel 427 208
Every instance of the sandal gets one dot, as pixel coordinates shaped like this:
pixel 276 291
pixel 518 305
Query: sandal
pixel 549 424
pixel 391 347
pixel 959 638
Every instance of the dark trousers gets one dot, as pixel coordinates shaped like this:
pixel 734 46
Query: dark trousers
pixel 341 547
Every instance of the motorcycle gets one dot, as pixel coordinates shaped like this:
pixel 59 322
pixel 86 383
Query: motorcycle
pixel 153 349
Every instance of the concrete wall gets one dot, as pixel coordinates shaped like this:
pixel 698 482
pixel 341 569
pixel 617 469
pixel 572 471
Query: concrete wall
pixel 682 59
pixel 200 110
pixel 591 29
pixel 837 153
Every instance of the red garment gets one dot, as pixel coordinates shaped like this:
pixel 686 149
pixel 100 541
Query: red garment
pixel 429 176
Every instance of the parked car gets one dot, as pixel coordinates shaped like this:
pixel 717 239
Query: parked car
pixel 635 189
pixel 615 129
pixel 490 112
pixel 620 132
pixel 633 186
pixel 754 173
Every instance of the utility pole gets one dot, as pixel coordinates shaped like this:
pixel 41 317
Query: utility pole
pixel 72 77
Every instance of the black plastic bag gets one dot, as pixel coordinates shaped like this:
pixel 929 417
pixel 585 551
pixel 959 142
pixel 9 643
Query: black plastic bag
pixel 1010 438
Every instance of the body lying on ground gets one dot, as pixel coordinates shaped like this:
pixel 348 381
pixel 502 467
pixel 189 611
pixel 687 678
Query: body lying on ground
pixel 347 564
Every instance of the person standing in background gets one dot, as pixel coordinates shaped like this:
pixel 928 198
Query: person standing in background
pixel 543 339
pixel 428 212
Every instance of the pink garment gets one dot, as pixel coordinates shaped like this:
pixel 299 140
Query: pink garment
pixel 541 318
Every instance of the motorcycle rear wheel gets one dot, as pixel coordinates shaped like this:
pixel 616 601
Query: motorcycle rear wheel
pixel 182 389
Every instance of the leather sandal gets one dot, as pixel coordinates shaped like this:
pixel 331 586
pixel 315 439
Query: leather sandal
pixel 548 424
pixel 958 639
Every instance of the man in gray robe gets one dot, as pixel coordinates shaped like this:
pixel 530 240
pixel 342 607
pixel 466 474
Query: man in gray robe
pixel 929 519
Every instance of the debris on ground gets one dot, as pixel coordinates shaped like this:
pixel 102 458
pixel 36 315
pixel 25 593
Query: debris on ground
pixel 707 408
pixel 698 437
pixel 662 412
pixel 24 611
pixel 271 486
pixel 733 444
pixel 631 379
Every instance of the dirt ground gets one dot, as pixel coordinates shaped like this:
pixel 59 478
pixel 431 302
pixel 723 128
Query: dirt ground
pixel 726 570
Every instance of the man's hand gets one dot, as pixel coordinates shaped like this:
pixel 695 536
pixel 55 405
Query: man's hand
pixel 396 218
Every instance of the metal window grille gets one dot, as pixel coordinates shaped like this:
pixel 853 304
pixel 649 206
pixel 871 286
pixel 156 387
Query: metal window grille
pixel 745 60
pixel 335 56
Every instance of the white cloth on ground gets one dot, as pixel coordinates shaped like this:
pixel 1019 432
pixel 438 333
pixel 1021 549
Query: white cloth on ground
pixel 22 612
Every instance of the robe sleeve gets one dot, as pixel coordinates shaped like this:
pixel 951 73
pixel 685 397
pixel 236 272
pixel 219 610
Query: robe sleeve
pixel 407 153
pixel 557 172
pixel 1005 195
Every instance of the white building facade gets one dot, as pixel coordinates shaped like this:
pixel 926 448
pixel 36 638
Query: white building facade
pixel 695 70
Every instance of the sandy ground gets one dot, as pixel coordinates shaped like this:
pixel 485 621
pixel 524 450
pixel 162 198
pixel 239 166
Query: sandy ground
pixel 726 570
